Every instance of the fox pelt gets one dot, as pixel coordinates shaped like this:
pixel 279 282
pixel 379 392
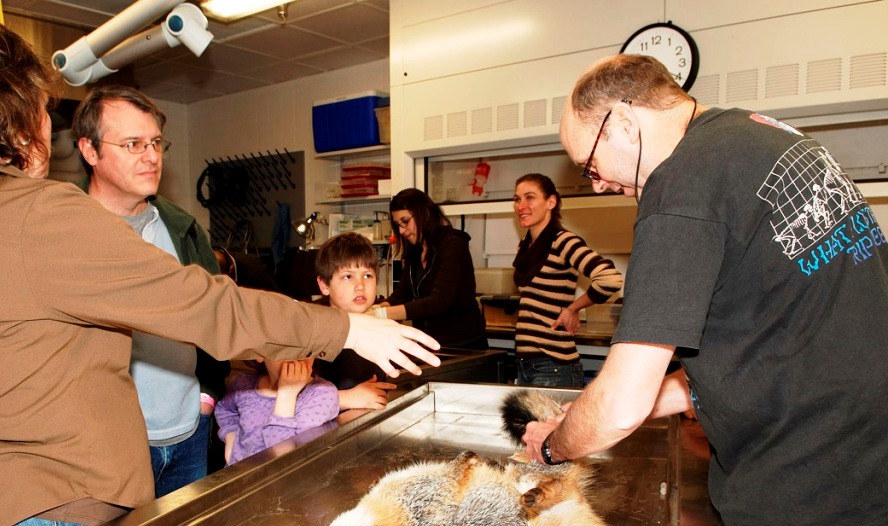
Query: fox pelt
pixel 469 491
pixel 521 407
pixel 472 491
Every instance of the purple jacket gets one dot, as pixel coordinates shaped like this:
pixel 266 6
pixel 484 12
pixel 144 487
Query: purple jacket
pixel 251 417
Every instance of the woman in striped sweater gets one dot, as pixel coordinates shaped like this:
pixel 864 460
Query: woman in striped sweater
pixel 547 267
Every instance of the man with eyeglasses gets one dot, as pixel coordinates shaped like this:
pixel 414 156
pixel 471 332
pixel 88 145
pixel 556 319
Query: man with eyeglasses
pixel 119 132
pixel 760 266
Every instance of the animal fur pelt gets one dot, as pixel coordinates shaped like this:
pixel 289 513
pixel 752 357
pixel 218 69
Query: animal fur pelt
pixel 521 407
pixel 471 491
pixel 468 491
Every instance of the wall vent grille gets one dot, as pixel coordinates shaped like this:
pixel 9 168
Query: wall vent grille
pixel 557 108
pixel 782 81
pixel 706 90
pixel 742 85
pixel 507 117
pixel 824 75
pixel 433 128
pixel 733 88
pixel 535 113
pixel 868 71
pixel 482 121
pixel 457 124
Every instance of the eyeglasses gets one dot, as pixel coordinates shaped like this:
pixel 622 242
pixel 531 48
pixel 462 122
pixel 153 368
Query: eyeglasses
pixel 403 222
pixel 140 147
pixel 588 172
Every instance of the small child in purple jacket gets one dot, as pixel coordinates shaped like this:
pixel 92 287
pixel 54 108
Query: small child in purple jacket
pixel 260 410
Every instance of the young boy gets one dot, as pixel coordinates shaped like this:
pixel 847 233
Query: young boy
pixel 346 273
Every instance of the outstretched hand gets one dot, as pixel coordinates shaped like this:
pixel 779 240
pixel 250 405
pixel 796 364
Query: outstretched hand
pixel 385 342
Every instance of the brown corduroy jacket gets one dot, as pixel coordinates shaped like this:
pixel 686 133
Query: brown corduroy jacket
pixel 74 280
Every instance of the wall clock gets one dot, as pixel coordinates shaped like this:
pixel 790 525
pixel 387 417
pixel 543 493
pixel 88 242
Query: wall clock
pixel 672 46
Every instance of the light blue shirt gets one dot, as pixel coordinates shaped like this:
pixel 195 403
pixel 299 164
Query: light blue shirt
pixel 163 370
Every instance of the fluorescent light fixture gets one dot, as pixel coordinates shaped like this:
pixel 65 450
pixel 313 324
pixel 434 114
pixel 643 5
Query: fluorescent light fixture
pixel 228 10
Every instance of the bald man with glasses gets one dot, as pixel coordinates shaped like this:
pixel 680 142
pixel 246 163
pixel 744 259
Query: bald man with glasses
pixel 758 264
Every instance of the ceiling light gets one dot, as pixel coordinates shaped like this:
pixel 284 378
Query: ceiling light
pixel 228 10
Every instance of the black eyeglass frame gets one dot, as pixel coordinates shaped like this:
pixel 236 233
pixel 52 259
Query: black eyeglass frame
pixel 403 223
pixel 588 172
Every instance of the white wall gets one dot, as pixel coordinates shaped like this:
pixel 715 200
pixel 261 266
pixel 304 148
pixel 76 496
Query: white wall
pixel 280 116
pixel 266 118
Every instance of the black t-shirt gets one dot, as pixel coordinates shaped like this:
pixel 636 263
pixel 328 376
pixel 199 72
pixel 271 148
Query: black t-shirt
pixel 761 261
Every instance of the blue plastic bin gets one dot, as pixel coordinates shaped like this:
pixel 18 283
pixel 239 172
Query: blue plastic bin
pixel 347 122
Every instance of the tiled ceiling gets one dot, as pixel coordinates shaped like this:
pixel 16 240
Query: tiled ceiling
pixel 316 36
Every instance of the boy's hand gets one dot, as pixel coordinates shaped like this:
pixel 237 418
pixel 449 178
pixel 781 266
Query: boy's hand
pixel 377 311
pixel 385 341
pixel 367 395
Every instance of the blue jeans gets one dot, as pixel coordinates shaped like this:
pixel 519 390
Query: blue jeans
pixel 181 464
pixel 546 372
pixel 43 522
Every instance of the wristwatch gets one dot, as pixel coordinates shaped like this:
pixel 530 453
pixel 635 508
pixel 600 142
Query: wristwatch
pixel 546 452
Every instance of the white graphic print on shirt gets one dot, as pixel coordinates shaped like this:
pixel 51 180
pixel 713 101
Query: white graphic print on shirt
pixel 814 208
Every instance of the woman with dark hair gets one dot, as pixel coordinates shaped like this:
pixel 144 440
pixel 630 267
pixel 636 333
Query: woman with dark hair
pixel 437 288
pixel 547 267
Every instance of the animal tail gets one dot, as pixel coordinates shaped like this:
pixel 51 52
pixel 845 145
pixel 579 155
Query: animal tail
pixel 521 407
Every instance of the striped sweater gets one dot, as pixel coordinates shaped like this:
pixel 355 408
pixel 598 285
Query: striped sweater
pixel 553 289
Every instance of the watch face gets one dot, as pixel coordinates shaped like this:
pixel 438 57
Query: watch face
pixel 669 44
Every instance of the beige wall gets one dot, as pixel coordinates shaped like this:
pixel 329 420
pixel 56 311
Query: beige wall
pixel 175 183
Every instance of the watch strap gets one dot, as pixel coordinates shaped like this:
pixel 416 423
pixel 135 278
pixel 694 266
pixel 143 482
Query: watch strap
pixel 546 451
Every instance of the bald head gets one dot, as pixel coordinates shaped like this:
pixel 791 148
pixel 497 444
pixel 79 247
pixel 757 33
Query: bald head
pixel 638 78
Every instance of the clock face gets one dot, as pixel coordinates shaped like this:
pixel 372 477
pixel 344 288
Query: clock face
pixel 672 46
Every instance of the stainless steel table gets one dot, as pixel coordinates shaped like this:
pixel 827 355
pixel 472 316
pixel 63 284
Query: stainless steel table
pixel 649 478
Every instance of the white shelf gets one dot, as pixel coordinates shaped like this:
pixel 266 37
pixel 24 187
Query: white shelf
pixel 356 200
pixel 368 151
pixel 568 203
pixel 336 160
pixel 874 191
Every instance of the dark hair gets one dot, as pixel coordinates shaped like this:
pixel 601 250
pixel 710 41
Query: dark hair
pixel 27 86
pixel 88 116
pixel 547 187
pixel 340 251
pixel 642 79
pixel 427 216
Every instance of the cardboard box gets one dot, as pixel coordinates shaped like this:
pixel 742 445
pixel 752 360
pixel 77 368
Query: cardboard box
pixel 383 117
pixel 498 281
pixel 385 187
pixel 500 311
pixel 347 122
